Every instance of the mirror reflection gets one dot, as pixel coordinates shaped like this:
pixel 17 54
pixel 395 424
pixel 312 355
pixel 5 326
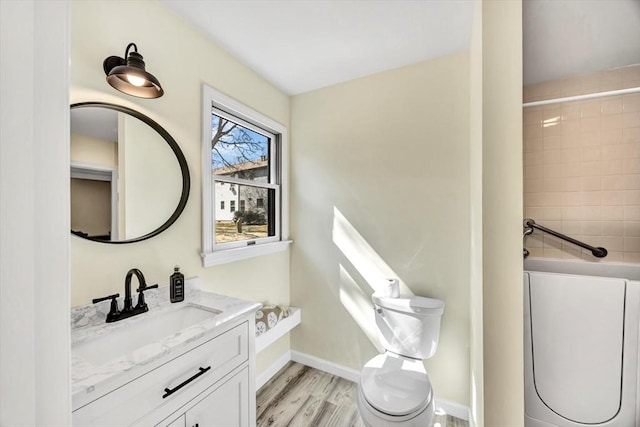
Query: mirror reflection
pixel 127 175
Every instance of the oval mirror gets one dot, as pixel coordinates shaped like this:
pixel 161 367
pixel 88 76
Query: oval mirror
pixel 129 178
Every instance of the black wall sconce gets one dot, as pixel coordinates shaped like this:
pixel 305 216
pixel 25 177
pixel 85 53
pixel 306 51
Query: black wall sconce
pixel 129 76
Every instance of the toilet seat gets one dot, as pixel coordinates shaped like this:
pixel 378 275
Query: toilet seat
pixel 395 385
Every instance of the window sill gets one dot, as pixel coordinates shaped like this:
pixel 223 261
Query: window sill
pixel 237 254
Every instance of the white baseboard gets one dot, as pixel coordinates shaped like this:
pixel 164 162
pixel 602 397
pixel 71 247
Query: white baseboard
pixel 326 366
pixel 451 408
pixel 268 373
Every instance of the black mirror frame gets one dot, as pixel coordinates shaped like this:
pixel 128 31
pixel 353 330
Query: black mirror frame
pixel 186 180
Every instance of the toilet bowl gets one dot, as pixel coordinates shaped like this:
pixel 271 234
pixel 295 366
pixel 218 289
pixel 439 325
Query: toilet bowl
pixel 394 388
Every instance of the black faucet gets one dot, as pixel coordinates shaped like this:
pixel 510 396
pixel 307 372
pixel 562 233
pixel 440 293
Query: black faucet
pixel 128 310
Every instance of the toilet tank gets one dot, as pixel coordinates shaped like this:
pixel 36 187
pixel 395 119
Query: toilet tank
pixel 409 325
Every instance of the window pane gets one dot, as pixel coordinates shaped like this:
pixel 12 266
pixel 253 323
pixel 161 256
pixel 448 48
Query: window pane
pixel 250 221
pixel 238 151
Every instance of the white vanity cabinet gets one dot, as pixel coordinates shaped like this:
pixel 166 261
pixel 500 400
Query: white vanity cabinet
pixel 221 407
pixel 209 384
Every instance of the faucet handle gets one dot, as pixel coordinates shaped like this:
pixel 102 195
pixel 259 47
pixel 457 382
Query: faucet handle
pixel 111 297
pixel 113 314
pixel 142 305
pixel 146 288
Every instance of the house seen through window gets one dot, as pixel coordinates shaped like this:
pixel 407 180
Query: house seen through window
pixel 245 157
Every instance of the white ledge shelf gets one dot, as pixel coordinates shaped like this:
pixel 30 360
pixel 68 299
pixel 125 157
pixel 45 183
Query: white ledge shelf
pixel 283 327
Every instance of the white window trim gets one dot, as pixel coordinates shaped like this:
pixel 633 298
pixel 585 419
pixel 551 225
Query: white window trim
pixel 214 98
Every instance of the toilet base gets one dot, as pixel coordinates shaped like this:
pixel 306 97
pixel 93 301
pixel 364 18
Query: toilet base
pixel 373 418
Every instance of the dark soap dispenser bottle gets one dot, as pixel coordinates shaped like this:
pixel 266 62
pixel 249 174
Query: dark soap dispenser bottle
pixel 176 284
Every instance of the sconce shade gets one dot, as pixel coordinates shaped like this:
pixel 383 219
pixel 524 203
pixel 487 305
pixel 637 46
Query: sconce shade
pixel 129 76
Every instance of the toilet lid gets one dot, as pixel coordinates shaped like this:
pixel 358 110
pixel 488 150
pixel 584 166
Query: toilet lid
pixel 395 385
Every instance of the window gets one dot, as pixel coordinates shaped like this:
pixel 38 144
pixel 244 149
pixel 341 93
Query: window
pixel 246 150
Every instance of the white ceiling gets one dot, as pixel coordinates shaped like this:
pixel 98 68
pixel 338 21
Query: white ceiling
pixel 304 45
pixel 94 122
pixel 301 45
pixel 567 37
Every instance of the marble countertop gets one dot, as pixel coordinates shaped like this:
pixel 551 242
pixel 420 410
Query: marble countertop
pixel 88 381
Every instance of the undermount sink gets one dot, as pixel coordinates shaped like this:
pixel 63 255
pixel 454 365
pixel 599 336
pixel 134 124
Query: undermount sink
pixel 139 332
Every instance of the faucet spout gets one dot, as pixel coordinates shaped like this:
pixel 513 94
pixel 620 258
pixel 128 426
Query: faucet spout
pixel 128 302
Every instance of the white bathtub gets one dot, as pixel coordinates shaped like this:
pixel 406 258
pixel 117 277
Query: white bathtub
pixel 582 324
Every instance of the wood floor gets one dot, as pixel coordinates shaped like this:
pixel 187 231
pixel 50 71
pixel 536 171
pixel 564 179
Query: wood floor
pixel 300 396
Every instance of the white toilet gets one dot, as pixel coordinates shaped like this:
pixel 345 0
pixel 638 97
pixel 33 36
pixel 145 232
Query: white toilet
pixel 394 387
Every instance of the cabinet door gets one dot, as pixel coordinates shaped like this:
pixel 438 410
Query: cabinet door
pixel 227 406
pixel 179 422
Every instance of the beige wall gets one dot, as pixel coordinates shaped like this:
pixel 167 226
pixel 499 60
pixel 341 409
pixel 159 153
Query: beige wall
pixel 85 149
pixel 91 206
pixel 380 188
pixel 476 376
pixel 502 212
pixel 182 59
pixel 150 181
pixel 582 166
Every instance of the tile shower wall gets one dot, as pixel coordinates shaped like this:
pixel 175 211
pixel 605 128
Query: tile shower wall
pixel 582 166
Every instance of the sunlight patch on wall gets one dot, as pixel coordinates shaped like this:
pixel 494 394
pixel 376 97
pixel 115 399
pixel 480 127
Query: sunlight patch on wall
pixel 373 269
pixel 359 306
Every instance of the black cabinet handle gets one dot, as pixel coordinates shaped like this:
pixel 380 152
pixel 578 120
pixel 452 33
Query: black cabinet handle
pixel 170 391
